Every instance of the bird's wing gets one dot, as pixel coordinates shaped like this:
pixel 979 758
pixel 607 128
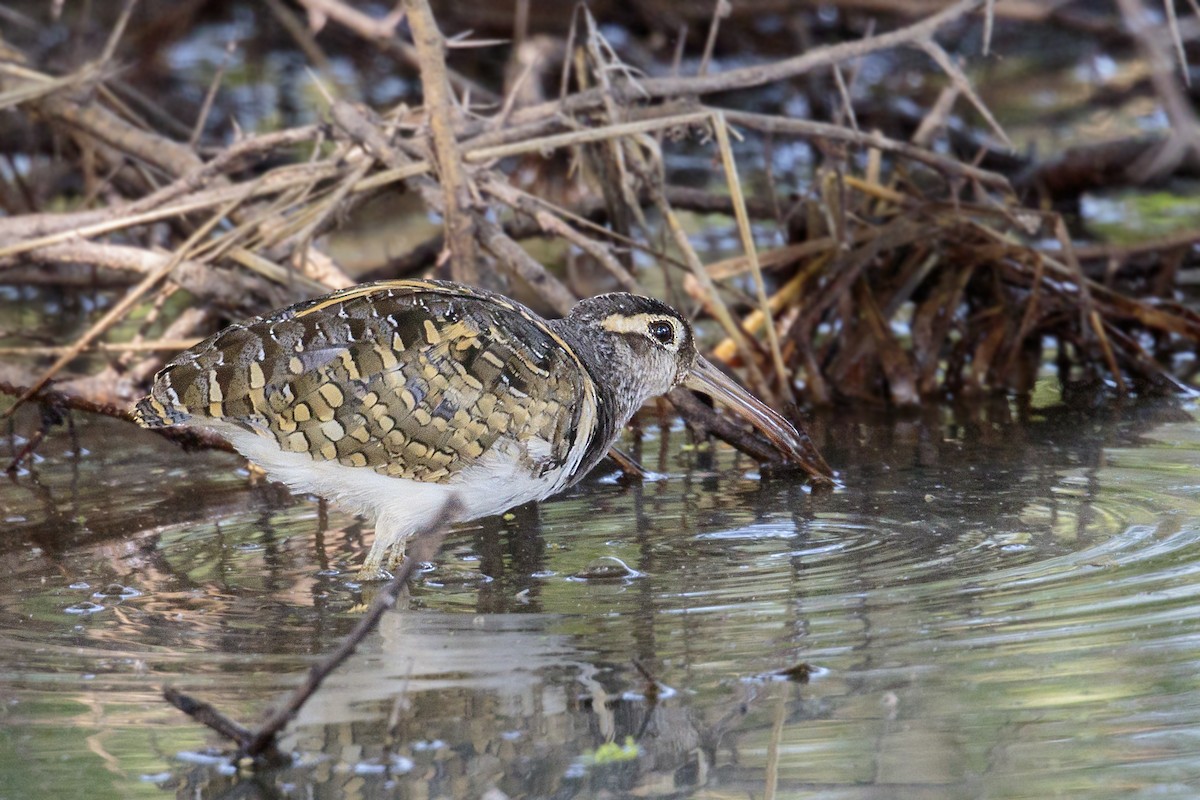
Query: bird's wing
pixel 413 379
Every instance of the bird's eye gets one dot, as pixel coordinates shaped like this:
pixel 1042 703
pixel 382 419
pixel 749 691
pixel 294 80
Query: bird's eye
pixel 661 331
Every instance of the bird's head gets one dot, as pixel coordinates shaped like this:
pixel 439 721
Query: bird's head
pixel 642 348
pixel 644 344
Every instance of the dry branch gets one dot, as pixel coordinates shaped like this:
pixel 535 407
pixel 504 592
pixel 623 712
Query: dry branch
pixel 452 174
pixel 382 33
pixel 261 744
pixel 752 76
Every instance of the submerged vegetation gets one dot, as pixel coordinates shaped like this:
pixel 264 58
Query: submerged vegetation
pixel 885 239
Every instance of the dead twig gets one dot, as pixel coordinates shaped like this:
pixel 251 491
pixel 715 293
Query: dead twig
pixel 949 167
pixel 756 75
pixel 452 175
pixel 262 744
pixel 382 33
pixel 118 311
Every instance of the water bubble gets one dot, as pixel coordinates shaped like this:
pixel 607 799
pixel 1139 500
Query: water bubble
pixel 202 758
pixel 607 568
pixel 450 577
pixel 116 590
pixel 86 607
pixel 157 777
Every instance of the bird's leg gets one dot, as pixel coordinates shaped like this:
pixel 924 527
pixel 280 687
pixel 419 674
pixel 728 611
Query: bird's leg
pixel 396 553
pixel 373 566
pixel 387 538
pixel 393 530
pixel 387 551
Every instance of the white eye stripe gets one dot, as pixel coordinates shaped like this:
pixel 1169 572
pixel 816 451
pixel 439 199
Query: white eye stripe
pixel 643 324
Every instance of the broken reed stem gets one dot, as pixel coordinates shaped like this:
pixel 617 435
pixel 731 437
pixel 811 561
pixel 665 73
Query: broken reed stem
pixel 960 81
pixel 211 94
pixel 712 299
pixel 456 211
pixel 782 374
pixel 1110 359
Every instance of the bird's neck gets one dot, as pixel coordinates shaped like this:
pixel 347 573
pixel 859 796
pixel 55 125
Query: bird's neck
pixel 620 391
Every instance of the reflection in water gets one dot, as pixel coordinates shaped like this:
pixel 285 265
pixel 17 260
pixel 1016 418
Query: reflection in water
pixel 998 603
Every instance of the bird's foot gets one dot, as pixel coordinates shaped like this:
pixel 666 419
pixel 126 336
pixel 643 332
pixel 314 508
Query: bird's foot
pixel 374 569
pixel 372 574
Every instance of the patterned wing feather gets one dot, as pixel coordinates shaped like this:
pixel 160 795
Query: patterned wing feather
pixel 411 379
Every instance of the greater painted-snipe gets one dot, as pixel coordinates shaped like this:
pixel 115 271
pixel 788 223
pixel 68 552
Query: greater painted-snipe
pixel 390 397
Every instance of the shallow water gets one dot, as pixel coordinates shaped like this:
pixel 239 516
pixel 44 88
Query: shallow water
pixel 1001 604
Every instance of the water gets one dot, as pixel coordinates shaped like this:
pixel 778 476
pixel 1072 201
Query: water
pixel 998 604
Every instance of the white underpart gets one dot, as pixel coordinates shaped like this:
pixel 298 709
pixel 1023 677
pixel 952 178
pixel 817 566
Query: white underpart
pixel 401 507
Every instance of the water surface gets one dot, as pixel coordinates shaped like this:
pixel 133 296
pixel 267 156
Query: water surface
pixel 996 604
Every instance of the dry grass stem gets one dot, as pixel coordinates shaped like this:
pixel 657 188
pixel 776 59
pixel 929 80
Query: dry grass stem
pixel 893 268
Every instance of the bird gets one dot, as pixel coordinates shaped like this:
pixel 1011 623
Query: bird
pixel 390 398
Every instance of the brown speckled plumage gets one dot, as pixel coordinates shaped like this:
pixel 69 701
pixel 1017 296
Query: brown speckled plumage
pixel 412 379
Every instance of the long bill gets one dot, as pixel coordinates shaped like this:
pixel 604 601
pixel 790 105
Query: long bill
pixel 706 378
